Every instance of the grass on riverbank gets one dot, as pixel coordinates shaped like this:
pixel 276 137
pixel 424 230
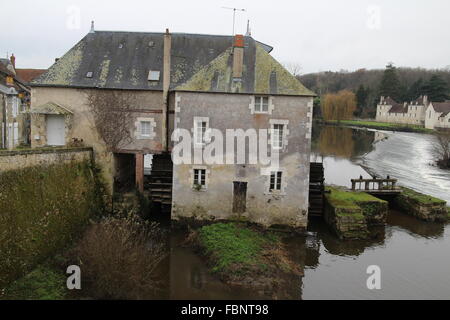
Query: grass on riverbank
pixel 420 197
pixel 45 282
pixel 381 125
pixel 236 251
pixel 345 199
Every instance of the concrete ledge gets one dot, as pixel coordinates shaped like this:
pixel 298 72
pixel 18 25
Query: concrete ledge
pixel 24 158
pixel 4 153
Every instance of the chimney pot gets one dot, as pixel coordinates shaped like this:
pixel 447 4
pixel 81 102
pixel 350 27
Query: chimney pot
pixel 239 41
pixel 13 60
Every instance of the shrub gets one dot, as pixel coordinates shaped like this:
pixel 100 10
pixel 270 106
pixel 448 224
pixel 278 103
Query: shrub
pixel 43 209
pixel 119 257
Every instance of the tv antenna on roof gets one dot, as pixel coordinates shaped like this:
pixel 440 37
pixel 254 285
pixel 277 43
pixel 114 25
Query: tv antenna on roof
pixel 234 14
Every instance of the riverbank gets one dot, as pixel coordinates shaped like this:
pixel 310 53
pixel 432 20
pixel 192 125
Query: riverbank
pixel 377 125
pixel 246 256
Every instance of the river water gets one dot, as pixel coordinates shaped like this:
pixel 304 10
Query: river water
pixel 414 256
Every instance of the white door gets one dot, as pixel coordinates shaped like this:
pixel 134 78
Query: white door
pixel 56 130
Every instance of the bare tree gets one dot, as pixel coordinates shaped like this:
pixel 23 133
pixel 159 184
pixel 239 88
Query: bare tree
pixel 112 116
pixel 441 148
pixel 294 68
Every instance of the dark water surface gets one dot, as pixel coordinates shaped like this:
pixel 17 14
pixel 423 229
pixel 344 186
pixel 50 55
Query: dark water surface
pixel 414 256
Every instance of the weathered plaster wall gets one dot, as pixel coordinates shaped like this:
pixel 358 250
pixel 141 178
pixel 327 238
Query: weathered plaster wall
pixel 82 126
pixel 231 111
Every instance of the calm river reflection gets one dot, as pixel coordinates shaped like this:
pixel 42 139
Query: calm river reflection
pixel 414 256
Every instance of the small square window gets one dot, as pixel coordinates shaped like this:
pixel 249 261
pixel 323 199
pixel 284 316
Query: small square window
pixel 153 75
pixel 275 181
pixel 89 74
pixel 261 104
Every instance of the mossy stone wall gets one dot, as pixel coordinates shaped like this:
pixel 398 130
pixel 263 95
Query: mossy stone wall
pixel 346 222
pixel 422 206
pixel 42 209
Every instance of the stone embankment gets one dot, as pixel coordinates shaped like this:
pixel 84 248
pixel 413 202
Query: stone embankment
pixel 350 214
pixel 421 206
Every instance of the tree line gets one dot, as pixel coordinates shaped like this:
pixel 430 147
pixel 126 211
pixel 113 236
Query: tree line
pixel 402 84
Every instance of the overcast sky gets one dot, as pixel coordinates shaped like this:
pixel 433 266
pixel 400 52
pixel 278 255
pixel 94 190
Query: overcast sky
pixel 318 35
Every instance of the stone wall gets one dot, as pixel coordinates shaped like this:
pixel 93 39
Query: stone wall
pixel 20 159
pixel 421 206
pixel 233 111
pixel 347 222
pixel 350 214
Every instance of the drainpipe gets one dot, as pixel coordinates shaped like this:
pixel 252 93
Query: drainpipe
pixel 166 85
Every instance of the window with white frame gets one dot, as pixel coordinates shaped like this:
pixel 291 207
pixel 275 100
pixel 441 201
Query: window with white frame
pixel 277 136
pixel 201 124
pixel 199 178
pixel 275 181
pixel 146 128
pixel 261 104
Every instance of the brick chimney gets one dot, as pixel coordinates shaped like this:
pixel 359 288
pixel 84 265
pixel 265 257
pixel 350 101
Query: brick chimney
pixel 238 55
pixel 13 60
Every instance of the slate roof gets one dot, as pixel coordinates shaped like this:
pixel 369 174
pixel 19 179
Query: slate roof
pixel 443 107
pixel 122 60
pixel 399 108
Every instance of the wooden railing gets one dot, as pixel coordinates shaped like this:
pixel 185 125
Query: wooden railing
pixel 374 184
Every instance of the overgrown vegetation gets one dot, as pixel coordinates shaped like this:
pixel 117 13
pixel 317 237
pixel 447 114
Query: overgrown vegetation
pixel 44 209
pixel 43 283
pixel 112 116
pixel 342 198
pixel 119 258
pixel 420 197
pixel 237 251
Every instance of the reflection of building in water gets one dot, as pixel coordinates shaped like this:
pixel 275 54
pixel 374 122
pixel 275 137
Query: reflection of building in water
pixel 341 142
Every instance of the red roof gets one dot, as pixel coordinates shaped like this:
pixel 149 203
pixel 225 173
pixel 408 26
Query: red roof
pixel 29 74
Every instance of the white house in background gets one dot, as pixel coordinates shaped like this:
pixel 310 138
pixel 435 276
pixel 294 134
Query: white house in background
pixel 388 110
pixel 438 115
